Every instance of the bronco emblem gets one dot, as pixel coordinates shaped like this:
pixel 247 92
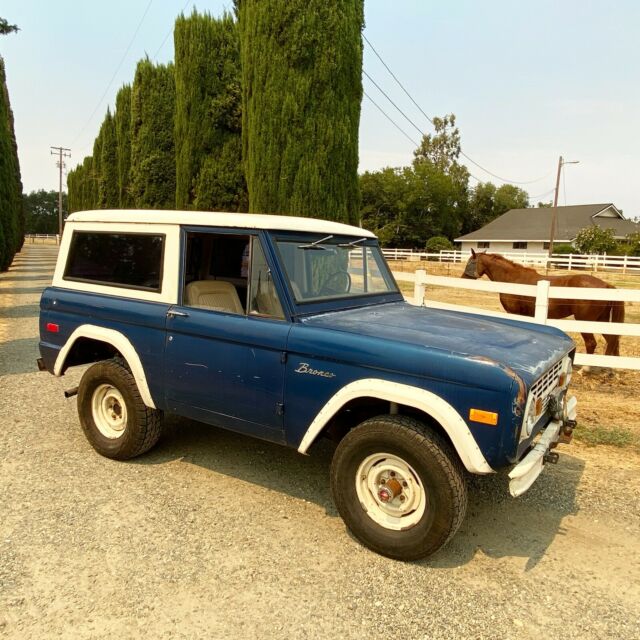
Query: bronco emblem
pixel 304 367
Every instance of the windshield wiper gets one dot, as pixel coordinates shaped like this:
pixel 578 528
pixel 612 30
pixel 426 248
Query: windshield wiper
pixel 315 245
pixel 352 244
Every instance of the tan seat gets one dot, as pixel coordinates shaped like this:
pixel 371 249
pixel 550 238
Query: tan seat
pixel 217 295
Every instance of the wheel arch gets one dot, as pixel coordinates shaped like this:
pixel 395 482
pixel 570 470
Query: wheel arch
pixel 425 402
pixel 112 339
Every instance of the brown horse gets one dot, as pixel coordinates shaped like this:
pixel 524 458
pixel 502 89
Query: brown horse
pixel 499 269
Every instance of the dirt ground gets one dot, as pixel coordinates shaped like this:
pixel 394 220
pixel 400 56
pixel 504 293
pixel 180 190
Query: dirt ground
pixel 215 535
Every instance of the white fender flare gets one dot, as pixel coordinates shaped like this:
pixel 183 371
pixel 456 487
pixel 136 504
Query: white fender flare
pixel 117 340
pixel 431 404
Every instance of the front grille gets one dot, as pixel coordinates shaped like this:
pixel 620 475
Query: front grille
pixel 546 384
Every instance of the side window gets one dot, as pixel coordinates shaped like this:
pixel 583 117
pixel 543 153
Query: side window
pixel 263 298
pixel 215 275
pixel 129 260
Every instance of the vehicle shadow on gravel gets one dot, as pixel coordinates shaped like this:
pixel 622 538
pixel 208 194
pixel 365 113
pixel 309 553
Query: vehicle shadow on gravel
pixel 262 463
pixel 499 526
pixel 496 524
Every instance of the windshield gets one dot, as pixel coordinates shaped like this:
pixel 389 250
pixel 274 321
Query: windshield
pixel 333 268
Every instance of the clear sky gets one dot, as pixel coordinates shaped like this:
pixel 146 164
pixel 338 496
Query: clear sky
pixel 528 81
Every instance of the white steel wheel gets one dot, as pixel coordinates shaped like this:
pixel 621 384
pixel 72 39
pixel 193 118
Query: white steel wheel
pixel 109 411
pixel 390 491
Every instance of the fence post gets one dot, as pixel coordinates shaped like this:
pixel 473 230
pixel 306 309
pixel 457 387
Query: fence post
pixel 624 264
pixel 542 301
pixel 419 287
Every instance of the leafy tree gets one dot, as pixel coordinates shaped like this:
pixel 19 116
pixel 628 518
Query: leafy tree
pixel 509 197
pixel 563 249
pixel 208 118
pixel 153 170
pixel 443 147
pixel 545 205
pixel 302 89
pixel 481 208
pixel 595 239
pixel 41 211
pixel 11 205
pixel 6 28
pixel 122 123
pixel 108 192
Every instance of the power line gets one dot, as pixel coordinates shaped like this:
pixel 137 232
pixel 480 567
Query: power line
pixel 155 55
pixel 135 33
pixel 462 153
pixel 390 119
pixel 542 195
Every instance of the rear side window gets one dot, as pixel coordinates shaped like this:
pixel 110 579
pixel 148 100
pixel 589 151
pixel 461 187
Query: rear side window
pixel 130 260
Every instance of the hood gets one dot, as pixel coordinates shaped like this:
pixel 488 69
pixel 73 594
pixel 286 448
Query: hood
pixel 526 348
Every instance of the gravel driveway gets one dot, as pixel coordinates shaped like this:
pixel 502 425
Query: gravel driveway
pixel 214 535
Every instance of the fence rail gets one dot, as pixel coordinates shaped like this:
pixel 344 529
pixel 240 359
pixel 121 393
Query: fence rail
pixel 542 292
pixel 41 238
pixel 593 262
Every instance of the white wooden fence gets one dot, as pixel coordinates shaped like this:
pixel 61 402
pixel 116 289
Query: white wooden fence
pixel 542 292
pixel 592 262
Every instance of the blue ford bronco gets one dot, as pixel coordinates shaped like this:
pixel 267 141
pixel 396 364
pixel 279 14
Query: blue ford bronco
pixel 290 330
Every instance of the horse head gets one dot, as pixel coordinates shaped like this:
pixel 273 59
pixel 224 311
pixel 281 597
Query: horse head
pixel 475 267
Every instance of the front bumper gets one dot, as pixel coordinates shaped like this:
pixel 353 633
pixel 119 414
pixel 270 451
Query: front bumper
pixel 525 473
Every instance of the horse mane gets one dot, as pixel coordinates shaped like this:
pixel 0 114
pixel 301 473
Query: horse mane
pixel 500 258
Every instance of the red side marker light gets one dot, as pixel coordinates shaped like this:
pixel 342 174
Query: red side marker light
pixel 53 327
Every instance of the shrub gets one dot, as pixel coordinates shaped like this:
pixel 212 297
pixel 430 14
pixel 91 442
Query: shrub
pixel 437 244
pixel 595 239
pixel 564 249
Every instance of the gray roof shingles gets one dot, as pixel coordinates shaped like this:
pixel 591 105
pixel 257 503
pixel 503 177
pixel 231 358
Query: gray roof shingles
pixel 534 223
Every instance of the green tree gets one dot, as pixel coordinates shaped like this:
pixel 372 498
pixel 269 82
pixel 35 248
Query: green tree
pixel 509 197
pixel 11 204
pixel 302 89
pixel 633 242
pixel 41 210
pixel 595 239
pixel 122 121
pixel 108 192
pixel 208 119
pixel 481 208
pixel 153 169
pixel 6 28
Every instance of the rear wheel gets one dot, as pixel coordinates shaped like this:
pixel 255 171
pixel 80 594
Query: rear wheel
pixel 399 487
pixel 113 416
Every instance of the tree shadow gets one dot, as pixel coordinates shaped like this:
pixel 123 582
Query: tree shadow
pixel 20 311
pixel 12 278
pixel 20 290
pixel 496 524
pixel 19 356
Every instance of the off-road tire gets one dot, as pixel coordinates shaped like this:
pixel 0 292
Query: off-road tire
pixel 143 425
pixel 437 467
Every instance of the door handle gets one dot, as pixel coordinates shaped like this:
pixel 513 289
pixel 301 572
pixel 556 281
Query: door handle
pixel 172 313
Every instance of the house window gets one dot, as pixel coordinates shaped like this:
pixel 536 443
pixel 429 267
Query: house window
pixel 483 245
pixel 519 245
pixel 546 245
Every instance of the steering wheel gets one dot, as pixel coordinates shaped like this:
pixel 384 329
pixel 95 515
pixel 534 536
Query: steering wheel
pixel 337 282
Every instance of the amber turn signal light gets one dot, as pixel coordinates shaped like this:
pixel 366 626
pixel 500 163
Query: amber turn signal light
pixel 485 417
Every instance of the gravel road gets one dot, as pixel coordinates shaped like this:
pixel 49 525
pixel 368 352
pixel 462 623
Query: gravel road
pixel 214 535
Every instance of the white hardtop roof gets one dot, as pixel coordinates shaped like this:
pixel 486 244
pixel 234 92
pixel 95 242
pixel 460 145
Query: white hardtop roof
pixel 220 219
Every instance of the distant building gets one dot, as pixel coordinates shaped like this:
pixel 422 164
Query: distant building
pixel 528 229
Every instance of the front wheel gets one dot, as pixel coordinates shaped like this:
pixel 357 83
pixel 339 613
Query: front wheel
pixel 113 416
pixel 398 486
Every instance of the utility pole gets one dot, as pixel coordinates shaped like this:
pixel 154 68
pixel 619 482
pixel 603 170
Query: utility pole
pixel 61 152
pixel 554 212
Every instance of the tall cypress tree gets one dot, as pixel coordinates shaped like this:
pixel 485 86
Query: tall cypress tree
pixel 209 171
pixel 123 138
pixel 108 196
pixel 11 200
pixel 302 88
pixel 153 169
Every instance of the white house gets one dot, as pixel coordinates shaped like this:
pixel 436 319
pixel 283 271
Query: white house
pixel 527 230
